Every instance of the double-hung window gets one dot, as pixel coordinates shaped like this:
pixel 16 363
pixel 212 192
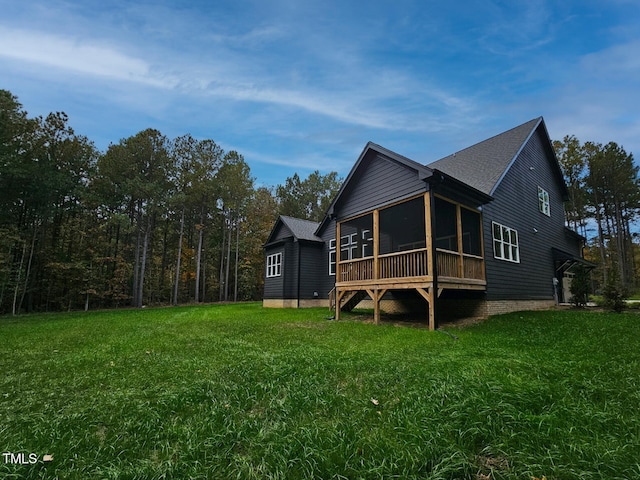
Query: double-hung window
pixel 543 201
pixel 274 265
pixel 505 243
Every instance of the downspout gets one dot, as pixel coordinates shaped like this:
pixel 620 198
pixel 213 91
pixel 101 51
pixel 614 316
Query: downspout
pixel 298 286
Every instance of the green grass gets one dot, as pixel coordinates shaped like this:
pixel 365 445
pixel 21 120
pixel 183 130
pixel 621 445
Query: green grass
pixel 237 391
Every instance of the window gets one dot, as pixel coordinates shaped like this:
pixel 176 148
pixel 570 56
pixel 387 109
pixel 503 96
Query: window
pixel 274 265
pixel 356 240
pixel 348 247
pixel 543 201
pixel 332 256
pixel 367 243
pixel 505 243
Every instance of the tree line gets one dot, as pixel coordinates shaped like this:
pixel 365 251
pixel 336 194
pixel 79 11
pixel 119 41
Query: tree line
pixel 603 205
pixel 154 220
pixel 150 221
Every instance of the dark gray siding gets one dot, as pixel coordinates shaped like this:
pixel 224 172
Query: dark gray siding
pixel 326 282
pixel 311 263
pixel 281 233
pixel 274 286
pixel 290 270
pixel 515 205
pixel 379 180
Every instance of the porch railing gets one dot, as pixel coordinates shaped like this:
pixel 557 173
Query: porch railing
pixel 356 270
pixel 413 263
pixel 456 265
pixel 404 264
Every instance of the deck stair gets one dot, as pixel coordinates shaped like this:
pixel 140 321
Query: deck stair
pixel 351 299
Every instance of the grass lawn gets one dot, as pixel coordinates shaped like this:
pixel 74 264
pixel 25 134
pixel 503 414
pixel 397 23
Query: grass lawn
pixel 237 391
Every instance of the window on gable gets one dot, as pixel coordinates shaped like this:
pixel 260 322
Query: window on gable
pixel 505 243
pixel 543 201
pixel 274 265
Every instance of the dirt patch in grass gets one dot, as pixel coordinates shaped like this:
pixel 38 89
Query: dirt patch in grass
pixel 309 324
pixel 488 464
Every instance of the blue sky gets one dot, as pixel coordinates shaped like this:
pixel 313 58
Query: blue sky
pixel 298 85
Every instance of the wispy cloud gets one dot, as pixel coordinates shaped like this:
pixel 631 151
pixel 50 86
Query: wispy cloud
pixel 78 56
pixel 355 103
pixel 306 84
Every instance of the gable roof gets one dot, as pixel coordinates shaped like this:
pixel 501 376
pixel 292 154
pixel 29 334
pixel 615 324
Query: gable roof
pixel 298 228
pixel 484 164
pixel 422 171
pixel 301 229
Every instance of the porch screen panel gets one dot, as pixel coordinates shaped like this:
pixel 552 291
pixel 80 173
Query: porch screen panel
pixel 446 225
pixel 471 243
pixel 402 227
pixel 356 238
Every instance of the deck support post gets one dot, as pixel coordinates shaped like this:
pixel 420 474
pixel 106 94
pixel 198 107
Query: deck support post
pixel 339 296
pixel 376 295
pixel 429 295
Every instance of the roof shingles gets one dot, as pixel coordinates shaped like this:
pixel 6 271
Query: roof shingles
pixel 301 229
pixel 483 165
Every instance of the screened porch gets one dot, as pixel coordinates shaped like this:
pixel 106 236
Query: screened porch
pixel 392 247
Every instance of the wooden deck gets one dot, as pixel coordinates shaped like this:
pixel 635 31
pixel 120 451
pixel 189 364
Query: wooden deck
pixel 379 273
pixel 408 270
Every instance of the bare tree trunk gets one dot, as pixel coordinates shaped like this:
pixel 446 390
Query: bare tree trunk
pixel 136 262
pixel 235 290
pixel 226 282
pixel 603 258
pixel 620 245
pixel 630 248
pixel 26 277
pixel 221 280
pixel 178 260
pixel 143 263
pixel 204 276
pixel 17 288
pixel 200 228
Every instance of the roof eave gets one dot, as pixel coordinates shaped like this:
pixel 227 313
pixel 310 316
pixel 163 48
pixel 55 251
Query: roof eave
pixel 473 192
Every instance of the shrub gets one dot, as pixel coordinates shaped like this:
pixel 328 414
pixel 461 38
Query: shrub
pixel 580 286
pixel 614 292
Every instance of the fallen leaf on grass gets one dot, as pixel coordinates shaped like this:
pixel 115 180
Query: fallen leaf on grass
pixel 375 402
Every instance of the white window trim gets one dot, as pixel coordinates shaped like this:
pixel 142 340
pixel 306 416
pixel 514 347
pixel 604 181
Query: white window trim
pixel 367 240
pixel 543 201
pixel 508 243
pixel 332 257
pixel 348 244
pixel 274 265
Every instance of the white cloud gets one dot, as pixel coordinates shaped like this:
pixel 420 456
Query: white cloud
pixel 78 56
pixel 355 104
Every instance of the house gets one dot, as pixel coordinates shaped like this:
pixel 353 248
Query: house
pixel 479 232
